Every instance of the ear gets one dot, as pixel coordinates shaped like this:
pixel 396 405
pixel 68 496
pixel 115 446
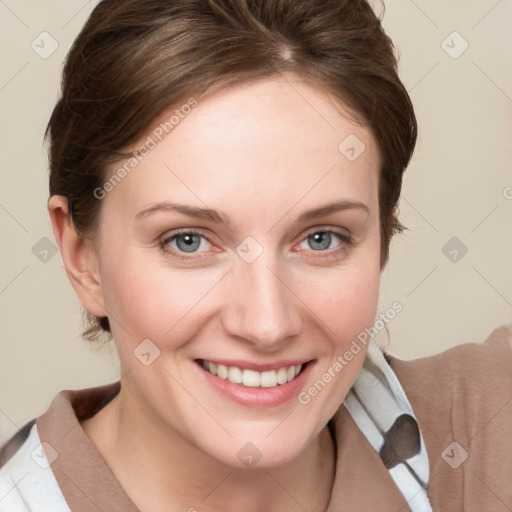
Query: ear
pixel 79 257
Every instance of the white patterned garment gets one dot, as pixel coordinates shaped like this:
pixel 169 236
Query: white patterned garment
pixel 27 485
pixel 377 403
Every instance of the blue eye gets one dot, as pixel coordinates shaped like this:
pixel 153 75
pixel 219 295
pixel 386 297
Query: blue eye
pixel 321 240
pixel 186 242
pixel 190 242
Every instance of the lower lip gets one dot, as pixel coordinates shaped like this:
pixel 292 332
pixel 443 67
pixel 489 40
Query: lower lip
pixel 258 397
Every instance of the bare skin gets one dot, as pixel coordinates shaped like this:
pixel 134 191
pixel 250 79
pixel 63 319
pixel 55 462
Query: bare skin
pixel 262 155
pixel 304 483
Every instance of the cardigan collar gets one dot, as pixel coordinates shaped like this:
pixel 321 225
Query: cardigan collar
pixel 374 431
pixel 376 427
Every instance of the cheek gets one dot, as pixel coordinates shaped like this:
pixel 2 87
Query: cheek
pixel 349 310
pixel 346 303
pixel 345 299
pixel 149 300
pixel 152 300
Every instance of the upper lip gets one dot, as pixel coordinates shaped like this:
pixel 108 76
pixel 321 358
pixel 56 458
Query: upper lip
pixel 258 367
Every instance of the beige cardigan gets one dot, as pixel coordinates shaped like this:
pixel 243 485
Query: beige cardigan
pixel 462 395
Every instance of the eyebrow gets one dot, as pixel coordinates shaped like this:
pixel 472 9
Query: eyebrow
pixel 221 218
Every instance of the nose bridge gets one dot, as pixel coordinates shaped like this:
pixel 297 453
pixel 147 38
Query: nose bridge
pixel 262 309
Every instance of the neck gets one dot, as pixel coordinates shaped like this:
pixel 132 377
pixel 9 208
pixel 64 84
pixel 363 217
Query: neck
pixel 162 470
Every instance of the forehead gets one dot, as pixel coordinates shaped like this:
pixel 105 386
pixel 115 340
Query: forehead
pixel 279 110
pixel 265 138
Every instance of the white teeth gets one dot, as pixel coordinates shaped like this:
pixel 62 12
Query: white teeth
pixel 222 371
pixel 234 375
pixel 252 378
pixel 282 376
pixel 268 379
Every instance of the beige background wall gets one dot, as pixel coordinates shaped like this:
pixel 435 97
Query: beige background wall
pixel 458 185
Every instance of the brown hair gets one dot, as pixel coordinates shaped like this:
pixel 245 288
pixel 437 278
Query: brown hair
pixel 135 58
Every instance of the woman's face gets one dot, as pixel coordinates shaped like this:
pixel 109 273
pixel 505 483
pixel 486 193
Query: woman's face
pixel 211 249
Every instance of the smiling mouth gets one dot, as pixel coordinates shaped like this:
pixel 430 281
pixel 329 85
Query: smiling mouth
pixel 252 378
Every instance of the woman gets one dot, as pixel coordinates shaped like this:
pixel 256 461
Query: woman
pixel 223 190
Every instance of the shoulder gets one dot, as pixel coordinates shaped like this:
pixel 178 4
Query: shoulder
pixel 463 391
pixel 462 399
pixel 27 477
pixel 469 369
pixel 26 480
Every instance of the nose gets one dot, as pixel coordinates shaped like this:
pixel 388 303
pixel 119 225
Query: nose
pixel 261 308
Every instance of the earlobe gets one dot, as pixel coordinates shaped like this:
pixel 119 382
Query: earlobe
pixel 80 259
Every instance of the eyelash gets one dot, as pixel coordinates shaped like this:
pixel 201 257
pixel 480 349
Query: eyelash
pixel 347 242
